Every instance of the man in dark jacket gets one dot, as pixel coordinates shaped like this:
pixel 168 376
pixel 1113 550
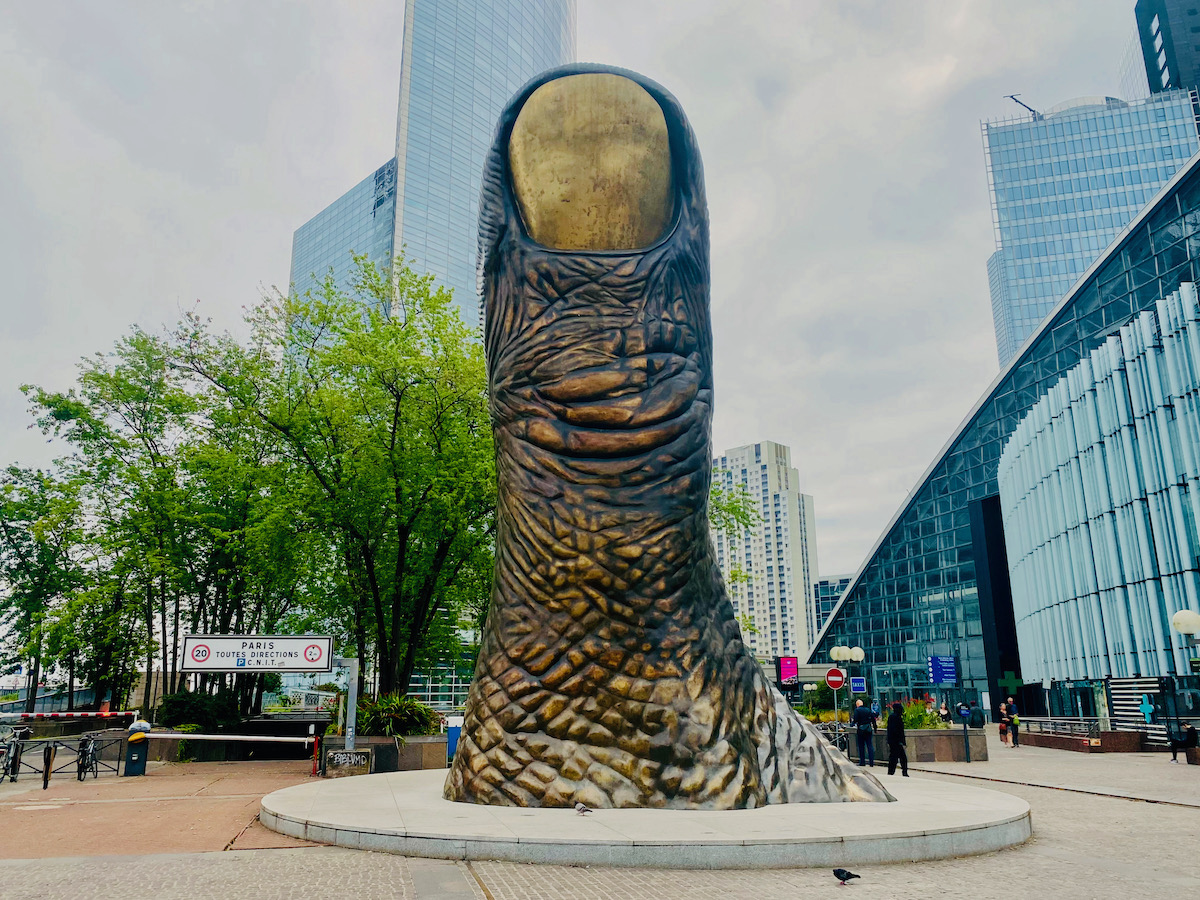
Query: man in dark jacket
pixel 864 732
pixel 895 740
pixel 976 720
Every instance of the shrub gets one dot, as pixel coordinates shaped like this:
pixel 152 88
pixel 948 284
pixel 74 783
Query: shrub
pixel 185 749
pixel 394 716
pixel 209 711
pixel 917 716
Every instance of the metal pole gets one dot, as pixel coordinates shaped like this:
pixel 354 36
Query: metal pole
pixel 351 697
pixel 966 740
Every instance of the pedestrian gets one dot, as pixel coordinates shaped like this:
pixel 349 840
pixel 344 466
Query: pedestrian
pixel 976 719
pixel 1004 724
pixel 895 740
pixel 1014 724
pixel 944 712
pixel 864 732
pixel 1188 741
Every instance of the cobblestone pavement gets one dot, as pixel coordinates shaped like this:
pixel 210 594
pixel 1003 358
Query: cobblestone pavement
pixel 1084 846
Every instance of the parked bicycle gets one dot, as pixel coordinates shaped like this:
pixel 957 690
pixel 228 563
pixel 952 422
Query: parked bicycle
pixel 10 749
pixel 87 760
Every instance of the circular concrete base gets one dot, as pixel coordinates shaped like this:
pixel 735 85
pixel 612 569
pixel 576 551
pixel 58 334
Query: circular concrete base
pixel 403 812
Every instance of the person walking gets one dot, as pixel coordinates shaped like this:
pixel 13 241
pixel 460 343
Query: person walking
pixel 864 732
pixel 1014 724
pixel 1186 742
pixel 895 741
pixel 1004 724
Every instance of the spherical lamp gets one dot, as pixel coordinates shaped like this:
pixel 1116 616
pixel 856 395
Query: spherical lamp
pixel 1186 621
pixel 858 654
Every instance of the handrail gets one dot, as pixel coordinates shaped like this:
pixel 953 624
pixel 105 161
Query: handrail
pixel 1076 726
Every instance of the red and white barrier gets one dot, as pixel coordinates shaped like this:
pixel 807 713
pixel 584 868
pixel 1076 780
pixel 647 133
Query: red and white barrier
pixel 70 715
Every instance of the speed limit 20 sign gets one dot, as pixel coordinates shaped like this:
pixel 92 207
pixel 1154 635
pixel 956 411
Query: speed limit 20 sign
pixel 257 653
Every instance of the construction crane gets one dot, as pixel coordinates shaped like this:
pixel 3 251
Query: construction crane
pixel 1033 113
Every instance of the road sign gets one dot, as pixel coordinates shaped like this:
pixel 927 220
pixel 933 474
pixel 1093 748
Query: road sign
pixel 943 670
pixel 257 653
pixel 858 685
pixel 835 678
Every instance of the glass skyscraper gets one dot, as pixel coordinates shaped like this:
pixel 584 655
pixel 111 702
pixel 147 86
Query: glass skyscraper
pixel 936 583
pixel 1063 184
pixel 462 60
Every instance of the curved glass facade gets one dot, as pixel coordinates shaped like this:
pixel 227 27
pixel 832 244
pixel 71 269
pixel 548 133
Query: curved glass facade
pixel 1100 491
pixel 918 593
pixel 462 61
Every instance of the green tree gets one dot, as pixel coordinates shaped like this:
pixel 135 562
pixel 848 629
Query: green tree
pixel 39 537
pixel 377 398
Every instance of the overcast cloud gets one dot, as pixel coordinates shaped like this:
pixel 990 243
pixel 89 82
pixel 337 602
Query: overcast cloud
pixel 154 156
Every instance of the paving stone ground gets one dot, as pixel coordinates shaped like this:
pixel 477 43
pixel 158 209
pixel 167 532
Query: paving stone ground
pixel 1085 846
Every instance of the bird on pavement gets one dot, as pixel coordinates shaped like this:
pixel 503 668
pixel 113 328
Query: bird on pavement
pixel 582 810
pixel 844 875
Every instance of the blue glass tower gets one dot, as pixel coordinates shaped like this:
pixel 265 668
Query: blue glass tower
pixel 462 61
pixel 1063 185
pixel 936 583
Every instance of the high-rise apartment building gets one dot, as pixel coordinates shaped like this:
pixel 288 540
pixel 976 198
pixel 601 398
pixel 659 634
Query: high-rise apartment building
pixel 825 595
pixel 1063 185
pixel 1169 34
pixel 462 60
pixel 770 568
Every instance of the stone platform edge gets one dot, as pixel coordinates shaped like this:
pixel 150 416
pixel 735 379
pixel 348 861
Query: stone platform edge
pixel 796 852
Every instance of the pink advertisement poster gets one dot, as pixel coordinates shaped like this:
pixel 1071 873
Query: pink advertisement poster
pixel 788 668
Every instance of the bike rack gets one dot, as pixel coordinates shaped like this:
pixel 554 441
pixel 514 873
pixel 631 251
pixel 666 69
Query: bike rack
pixel 98 745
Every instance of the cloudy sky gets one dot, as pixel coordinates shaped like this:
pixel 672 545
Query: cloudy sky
pixel 155 156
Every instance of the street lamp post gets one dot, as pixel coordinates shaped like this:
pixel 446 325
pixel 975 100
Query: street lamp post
pixel 1187 623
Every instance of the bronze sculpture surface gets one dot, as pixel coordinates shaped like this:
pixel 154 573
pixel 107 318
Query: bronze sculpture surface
pixel 612 671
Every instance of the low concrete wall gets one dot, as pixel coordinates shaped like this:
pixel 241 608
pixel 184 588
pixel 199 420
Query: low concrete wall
pixel 1106 742
pixel 933 745
pixel 418 752
pixel 424 752
pixel 1192 755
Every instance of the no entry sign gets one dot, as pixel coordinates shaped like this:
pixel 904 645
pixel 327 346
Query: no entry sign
pixel 257 653
pixel 835 678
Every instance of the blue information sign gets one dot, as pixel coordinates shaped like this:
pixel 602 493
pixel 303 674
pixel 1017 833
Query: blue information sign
pixel 858 685
pixel 943 670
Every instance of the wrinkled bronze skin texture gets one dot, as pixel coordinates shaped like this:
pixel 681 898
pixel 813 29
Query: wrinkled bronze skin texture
pixel 612 671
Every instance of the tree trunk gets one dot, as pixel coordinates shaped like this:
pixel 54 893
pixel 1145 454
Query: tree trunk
pixel 35 673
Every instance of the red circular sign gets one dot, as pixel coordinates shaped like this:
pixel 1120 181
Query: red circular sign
pixel 312 653
pixel 200 653
pixel 835 678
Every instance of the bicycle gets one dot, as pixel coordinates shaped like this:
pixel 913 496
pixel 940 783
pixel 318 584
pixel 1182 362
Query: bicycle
pixel 10 752
pixel 87 760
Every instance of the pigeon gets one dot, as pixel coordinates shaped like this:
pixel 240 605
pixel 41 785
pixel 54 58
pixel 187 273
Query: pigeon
pixel 584 810
pixel 844 875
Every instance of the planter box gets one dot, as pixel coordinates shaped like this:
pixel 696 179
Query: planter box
pixel 1192 756
pixel 1106 742
pixel 424 752
pixel 933 745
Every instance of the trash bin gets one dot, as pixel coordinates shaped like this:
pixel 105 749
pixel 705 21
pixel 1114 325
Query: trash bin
pixel 136 748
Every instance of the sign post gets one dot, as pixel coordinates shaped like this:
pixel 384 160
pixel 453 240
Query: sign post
pixel 351 696
pixel 835 678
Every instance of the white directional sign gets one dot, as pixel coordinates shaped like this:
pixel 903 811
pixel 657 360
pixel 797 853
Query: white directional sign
pixel 257 653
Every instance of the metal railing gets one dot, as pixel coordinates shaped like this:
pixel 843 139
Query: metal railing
pixel 30 754
pixel 1079 726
